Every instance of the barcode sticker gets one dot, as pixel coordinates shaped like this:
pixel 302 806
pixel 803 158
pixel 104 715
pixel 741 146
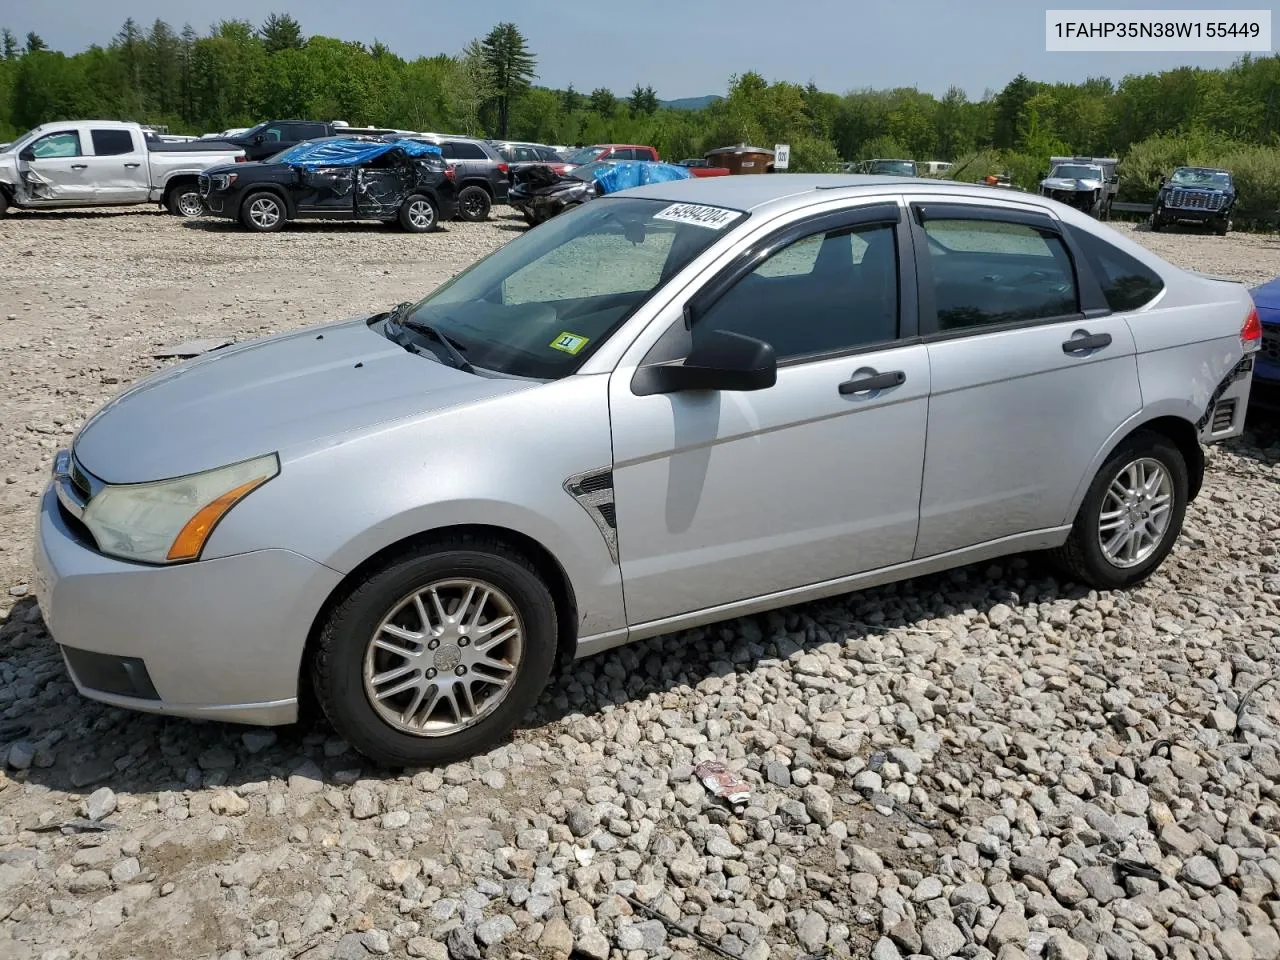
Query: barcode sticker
pixel 715 218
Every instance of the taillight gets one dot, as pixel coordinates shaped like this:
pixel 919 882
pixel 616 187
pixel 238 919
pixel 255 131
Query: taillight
pixel 448 173
pixel 1251 332
pixel 502 167
pixel 241 158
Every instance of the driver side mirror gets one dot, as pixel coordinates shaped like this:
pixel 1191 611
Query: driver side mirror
pixel 259 138
pixel 722 361
pixel 28 155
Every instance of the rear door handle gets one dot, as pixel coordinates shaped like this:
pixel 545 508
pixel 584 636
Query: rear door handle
pixel 873 381
pixel 132 166
pixel 79 166
pixel 1086 341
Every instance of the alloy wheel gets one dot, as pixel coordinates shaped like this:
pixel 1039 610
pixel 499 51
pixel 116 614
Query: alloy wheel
pixel 444 657
pixel 264 212
pixel 1136 509
pixel 421 214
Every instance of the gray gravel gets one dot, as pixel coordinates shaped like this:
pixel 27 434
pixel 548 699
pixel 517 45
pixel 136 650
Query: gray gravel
pixel 989 764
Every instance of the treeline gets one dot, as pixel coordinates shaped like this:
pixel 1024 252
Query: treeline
pixel 237 74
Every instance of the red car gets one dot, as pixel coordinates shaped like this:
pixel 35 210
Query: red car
pixel 610 151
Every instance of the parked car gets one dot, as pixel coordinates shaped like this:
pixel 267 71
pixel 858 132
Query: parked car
pixel 105 163
pixel 521 156
pixel 1089 184
pixel 481 174
pixel 1266 374
pixel 695 162
pixel 414 512
pixel 1204 195
pixel 892 168
pixel 272 136
pixel 336 178
pixel 936 168
pixel 539 194
pixel 610 151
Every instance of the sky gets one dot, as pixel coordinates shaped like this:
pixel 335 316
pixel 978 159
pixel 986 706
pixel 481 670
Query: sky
pixel 682 48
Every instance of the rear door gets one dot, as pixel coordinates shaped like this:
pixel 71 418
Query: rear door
pixel 326 192
pixel 1031 372
pixel 119 165
pixel 55 168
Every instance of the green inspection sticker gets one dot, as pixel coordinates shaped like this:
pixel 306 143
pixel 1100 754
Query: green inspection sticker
pixel 568 342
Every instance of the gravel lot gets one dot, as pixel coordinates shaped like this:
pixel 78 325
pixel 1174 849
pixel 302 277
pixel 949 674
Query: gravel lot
pixel 984 764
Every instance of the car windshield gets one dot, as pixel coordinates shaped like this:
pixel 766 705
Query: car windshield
pixel 1190 177
pixel 1076 171
pixel 540 305
pixel 588 170
pixel 897 168
pixel 585 155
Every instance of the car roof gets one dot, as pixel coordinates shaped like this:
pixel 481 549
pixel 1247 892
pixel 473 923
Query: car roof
pixel 792 189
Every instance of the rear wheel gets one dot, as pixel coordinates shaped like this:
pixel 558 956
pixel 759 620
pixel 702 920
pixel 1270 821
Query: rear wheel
pixel 418 215
pixel 184 201
pixel 437 655
pixel 1131 515
pixel 474 204
pixel 262 212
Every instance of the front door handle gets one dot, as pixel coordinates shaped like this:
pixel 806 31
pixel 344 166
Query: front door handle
pixel 873 381
pixel 79 166
pixel 1083 342
pixel 132 166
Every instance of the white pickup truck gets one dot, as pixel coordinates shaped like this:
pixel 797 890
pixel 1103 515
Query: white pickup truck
pixel 105 163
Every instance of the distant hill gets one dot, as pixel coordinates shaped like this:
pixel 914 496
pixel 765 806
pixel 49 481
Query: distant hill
pixel 690 103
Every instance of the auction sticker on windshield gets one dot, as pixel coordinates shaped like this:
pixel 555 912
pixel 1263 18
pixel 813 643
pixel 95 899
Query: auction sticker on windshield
pixel 716 218
pixel 569 342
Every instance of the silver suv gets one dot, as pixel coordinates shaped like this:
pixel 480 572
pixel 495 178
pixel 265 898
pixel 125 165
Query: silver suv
pixel 674 405
pixel 479 171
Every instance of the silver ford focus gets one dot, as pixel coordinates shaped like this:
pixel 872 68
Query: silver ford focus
pixel 674 405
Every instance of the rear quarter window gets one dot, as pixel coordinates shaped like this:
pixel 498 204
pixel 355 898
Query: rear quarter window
pixel 468 151
pixel 1126 283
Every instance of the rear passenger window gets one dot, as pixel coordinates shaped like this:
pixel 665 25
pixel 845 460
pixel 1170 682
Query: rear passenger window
pixel 111 143
pixel 1126 283
pixel 988 272
pixel 825 293
pixel 468 151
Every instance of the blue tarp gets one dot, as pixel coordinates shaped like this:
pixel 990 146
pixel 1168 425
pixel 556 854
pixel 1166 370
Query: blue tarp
pixel 349 153
pixel 636 173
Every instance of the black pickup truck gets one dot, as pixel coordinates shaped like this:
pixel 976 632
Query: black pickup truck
pixel 271 136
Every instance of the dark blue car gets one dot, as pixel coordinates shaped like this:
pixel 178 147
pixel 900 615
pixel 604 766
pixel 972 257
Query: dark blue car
pixel 1266 372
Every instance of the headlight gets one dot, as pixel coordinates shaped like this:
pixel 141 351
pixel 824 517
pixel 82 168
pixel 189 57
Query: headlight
pixel 170 520
pixel 223 181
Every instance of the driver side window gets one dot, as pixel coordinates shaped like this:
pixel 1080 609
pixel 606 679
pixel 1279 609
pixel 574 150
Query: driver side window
pixel 822 294
pixel 56 145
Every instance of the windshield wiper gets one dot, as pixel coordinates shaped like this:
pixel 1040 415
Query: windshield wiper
pixel 449 349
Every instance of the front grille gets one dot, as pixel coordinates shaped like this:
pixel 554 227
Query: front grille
pixel 204 184
pixel 1194 200
pixel 1271 344
pixel 1224 415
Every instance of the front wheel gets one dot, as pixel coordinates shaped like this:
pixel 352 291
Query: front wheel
pixel 1131 515
pixel 418 215
pixel 1222 227
pixel 184 201
pixel 474 204
pixel 263 212
pixel 437 655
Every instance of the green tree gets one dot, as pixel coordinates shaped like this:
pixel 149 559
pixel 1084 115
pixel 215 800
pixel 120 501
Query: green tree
pixel 34 43
pixel 9 43
pixel 510 67
pixel 643 101
pixel 1008 110
pixel 281 32
pixel 603 102
pixel 570 100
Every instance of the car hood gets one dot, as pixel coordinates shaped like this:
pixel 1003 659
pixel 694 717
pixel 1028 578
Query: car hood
pixel 1070 183
pixel 269 395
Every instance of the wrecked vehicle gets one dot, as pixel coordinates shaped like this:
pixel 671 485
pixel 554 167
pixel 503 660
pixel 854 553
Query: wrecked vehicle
pixel 1204 195
pixel 336 178
pixel 539 193
pixel 105 163
pixel 1089 184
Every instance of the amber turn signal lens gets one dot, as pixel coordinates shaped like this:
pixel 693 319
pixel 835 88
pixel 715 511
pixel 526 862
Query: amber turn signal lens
pixel 190 539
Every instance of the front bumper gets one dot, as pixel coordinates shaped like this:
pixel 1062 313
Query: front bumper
pixel 221 639
pixel 1185 215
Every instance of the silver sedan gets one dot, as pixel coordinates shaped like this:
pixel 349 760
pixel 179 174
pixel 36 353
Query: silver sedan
pixel 682 403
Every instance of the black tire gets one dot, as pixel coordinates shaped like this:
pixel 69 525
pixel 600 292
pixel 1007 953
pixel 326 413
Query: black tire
pixel 1222 227
pixel 184 201
pixel 262 200
pixel 4 204
pixel 337 668
pixel 529 218
pixel 474 204
pixel 418 214
pixel 1156 224
pixel 1082 556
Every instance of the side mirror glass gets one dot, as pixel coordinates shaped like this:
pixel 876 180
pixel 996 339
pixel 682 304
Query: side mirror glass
pixel 259 138
pixel 720 361
pixel 28 155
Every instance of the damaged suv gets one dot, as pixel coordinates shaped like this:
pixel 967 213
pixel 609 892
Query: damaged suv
pixel 336 178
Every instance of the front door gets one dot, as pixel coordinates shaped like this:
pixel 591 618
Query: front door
pixel 326 192
pixel 55 170
pixel 726 496
pixel 1032 373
